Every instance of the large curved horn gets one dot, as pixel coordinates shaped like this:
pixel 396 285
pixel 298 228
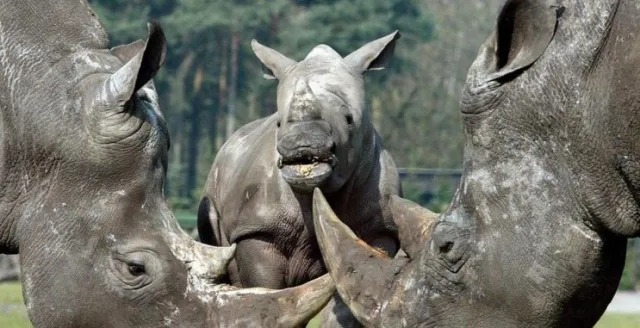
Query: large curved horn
pixel 414 224
pixel 361 273
pixel 291 307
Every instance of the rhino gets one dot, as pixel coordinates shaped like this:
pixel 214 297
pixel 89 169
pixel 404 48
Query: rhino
pixel 83 160
pixel 535 235
pixel 258 194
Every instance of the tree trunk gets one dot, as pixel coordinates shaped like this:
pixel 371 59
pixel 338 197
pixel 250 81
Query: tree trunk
pixel 193 147
pixel 233 84
pixel 223 91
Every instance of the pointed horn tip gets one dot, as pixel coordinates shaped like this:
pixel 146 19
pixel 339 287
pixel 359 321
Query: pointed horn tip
pixel 317 194
pixel 229 252
pixel 320 207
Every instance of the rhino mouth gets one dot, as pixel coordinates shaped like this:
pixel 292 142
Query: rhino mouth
pixel 304 173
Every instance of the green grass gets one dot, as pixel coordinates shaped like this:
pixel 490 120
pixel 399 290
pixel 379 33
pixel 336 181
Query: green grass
pixel 14 315
pixel 619 321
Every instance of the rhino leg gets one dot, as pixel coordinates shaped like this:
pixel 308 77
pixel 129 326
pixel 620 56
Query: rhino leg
pixel 260 264
pixel 336 314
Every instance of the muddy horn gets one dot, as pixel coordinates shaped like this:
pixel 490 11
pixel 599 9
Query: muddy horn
pixel 362 274
pixel 291 307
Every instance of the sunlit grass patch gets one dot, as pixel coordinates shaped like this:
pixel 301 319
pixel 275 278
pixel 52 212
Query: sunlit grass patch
pixel 615 320
pixel 13 314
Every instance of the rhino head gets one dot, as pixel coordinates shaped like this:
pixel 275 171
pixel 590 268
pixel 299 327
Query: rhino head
pixel 536 233
pixel 322 124
pixel 84 179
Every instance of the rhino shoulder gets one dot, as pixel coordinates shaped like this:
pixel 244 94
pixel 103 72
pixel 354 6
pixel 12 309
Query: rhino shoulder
pixel 246 160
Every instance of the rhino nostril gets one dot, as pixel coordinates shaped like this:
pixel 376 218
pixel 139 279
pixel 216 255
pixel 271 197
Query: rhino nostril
pixel 446 247
pixel 333 149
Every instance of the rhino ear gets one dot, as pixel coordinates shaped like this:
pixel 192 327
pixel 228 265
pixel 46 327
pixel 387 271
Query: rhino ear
pixel 524 30
pixel 274 64
pixel 126 52
pixel 143 60
pixel 374 55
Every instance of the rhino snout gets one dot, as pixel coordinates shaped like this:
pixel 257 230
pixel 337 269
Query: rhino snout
pixel 305 146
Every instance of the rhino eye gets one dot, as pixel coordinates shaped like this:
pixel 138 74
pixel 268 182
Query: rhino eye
pixel 136 269
pixel 278 123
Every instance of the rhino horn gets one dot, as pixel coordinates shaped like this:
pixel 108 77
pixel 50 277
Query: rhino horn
pixel 361 272
pixel 139 70
pixel 204 262
pixel 291 307
pixel 414 224
pixel 212 261
pixel 304 103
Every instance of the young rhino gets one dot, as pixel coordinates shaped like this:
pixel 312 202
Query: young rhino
pixel 259 190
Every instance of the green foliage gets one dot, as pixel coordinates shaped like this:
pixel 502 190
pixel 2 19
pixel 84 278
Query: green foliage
pixel 631 275
pixel 212 84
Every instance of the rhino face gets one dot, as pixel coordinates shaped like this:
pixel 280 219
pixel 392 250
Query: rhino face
pixel 322 123
pixel 103 247
pixel 546 200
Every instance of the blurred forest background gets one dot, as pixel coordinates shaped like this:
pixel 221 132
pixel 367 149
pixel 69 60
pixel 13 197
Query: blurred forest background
pixel 212 83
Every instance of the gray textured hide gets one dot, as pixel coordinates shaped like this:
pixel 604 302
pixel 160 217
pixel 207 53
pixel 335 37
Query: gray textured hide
pixel 536 233
pixel 258 193
pixel 83 154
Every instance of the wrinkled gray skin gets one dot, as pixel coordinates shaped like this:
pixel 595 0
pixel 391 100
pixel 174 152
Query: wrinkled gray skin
pixel 536 233
pixel 259 190
pixel 83 153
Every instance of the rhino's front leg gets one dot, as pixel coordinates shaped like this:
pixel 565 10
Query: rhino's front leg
pixel 336 314
pixel 260 263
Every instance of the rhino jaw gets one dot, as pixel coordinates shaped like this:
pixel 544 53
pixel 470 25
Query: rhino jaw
pixel 304 177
